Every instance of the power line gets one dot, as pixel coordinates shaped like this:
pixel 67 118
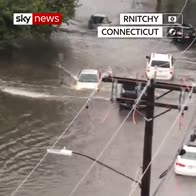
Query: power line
pixel 179 55
pixel 183 52
pixel 149 164
pixel 173 160
pixel 110 140
pixel 107 166
pixel 137 175
pixel 83 107
pixel 184 6
pixel 70 124
pixel 164 139
pixel 128 80
pixel 156 153
pixel 149 122
pixel 191 62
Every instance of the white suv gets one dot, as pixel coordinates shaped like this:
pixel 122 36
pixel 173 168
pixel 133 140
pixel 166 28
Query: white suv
pixel 160 66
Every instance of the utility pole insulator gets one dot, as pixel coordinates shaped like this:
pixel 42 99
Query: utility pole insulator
pixel 150 103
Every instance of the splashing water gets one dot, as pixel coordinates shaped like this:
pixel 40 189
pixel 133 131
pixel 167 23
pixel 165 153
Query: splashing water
pixel 20 92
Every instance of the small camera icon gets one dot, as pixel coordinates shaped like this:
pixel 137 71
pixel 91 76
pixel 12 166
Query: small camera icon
pixel 172 19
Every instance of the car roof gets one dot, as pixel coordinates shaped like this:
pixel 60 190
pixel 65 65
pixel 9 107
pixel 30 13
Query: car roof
pixel 89 71
pixel 129 86
pixel 161 57
pixel 99 15
pixel 190 148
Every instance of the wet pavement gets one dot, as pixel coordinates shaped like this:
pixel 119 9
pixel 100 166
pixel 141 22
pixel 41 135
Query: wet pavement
pixel 36 108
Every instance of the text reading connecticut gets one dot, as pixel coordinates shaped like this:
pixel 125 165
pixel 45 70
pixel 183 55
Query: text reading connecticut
pixel 130 32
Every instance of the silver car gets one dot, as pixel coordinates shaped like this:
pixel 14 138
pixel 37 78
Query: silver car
pixel 98 20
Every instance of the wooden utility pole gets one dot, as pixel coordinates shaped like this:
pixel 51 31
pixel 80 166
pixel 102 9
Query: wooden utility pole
pixel 150 103
pixel 148 136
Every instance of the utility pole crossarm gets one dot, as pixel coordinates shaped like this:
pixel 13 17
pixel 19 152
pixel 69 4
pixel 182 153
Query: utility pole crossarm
pixel 149 102
pixel 158 104
pixel 160 85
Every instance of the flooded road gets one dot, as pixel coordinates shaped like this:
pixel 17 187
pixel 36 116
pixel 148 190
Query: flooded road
pixel 35 111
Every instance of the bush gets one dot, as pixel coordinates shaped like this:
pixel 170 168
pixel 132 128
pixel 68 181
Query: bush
pixel 9 32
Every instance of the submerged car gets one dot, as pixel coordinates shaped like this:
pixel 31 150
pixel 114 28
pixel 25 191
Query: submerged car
pixel 185 163
pixel 160 66
pixel 182 33
pixel 98 20
pixel 127 92
pixel 88 79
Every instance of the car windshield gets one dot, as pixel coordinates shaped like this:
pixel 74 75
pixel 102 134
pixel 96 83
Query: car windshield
pixel 88 78
pixel 132 87
pixel 129 87
pixel 189 156
pixel 98 19
pixel 163 64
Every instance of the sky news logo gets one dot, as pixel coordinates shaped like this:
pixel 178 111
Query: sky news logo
pixel 37 18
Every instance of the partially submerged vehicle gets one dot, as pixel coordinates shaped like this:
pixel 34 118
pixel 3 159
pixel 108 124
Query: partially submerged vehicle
pixel 88 79
pixel 185 163
pixel 127 93
pixel 98 20
pixel 160 66
pixel 182 33
pixel 91 78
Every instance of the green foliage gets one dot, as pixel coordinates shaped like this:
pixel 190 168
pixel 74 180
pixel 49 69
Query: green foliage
pixel 9 32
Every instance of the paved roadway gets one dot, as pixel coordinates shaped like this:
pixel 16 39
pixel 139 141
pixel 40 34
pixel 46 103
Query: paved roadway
pixel 126 57
pixel 96 125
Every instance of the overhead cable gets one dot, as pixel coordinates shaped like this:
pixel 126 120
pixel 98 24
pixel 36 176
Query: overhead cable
pixel 109 142
pixel 164 139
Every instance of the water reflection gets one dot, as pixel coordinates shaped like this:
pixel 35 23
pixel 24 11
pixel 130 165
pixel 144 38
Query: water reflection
pixel 29 126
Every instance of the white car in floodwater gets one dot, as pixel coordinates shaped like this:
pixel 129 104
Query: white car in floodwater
pixel 185 163
pixel 160 66
pixel 88 79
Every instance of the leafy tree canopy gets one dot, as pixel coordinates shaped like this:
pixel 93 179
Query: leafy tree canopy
pixel 10 32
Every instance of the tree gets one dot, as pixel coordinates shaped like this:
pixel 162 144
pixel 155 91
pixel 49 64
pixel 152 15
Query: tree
pixel 9 32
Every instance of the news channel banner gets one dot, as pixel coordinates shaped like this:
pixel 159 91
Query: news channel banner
pixel 143 25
